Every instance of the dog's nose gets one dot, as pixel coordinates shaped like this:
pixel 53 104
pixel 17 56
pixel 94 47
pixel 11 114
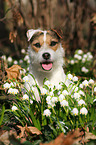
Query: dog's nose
pixel 46 55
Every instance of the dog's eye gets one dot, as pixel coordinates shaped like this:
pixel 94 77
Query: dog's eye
pixel 37 45
pixel 53 43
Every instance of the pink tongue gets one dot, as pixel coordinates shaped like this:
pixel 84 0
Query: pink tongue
pixel 47 66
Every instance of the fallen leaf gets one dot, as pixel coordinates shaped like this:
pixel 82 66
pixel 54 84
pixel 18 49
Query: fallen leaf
pixel 88 136
pixel 22 129
pixel 13 72
pixel 72 137
pixel 32 130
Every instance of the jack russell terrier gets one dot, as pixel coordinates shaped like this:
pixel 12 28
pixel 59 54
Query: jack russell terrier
pixel 46 57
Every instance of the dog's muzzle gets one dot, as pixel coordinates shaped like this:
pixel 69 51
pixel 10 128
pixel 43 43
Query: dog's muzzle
pixel 46 64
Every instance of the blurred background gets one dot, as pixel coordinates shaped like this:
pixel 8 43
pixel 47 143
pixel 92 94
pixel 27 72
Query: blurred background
pixel 75 20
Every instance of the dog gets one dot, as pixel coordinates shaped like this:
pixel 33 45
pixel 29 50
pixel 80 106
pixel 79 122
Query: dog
pixel 46 57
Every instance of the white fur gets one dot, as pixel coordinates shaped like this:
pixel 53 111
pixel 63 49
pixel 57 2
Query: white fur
pixel 55 75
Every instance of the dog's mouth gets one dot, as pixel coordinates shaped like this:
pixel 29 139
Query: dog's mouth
pixel 47 66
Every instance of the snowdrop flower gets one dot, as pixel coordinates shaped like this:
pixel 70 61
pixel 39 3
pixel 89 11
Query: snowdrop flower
pixel 64 103
pixel 20 61
pixel 13 91
pixel 31 101
pixel 26 58
pixel 61 97
pixel 75 111
pixel 85 56
pixel 59 86
pixel 75 79
pixel 83 60
pixel 72 62
pixel 89 55
pixel 43 91
pixel 47 83
pixel 76 89
pixel 6 85
pixel 81 86
pixel 83 111
pixel 84 69
pixel 48 98
pixel 9 59
pixel 25 97
pixel 54 100
pixel 13 84
pixel 91 81
pixel 4 57
pixel 47 112
pixel 95 89
pixel 14 108
pixel 94 100
pixel 80 51
pixel 76 95
pixel 80 102
pixel 15 62
pixel 23 51
pixel 76 56
pixel 26 79
pixel 81 93
pixel 85 83
pixel 65 92
pixel 70 77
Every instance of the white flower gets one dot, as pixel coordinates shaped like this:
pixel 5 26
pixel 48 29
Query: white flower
pixel 20 61
pixel 91 81
pixel 47 83
pixel 15 62
pixel 95 89
pixel 75 79
pixel 81 86
pixel 26 79
pixel 43 91
pixel 84 69
pixel 14 108
pixel 9 59
pixel 59 86
pixel 4 57
pixel 83 111
pixel 31 101
pixel 64 103
pixel 83 60
pixel 6 85
pixel 81 102
pixel 23 51
pixel 65 92
pixel 85 83
pixel 25 97
pixel 70 77
pixel 80 51
pixel 13 91
pixel 26 58
pixel 72 62
pixel 54 99
pixel 94 100
pixel 47 112
pixel 85 56
pixel 48 98
pixel 81 93
pixel 61 97
pixel 13 84
pixel 76 89
pixel 76 95
pixel 75 111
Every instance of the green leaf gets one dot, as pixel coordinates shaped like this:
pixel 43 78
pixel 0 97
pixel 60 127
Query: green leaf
pixel 2 114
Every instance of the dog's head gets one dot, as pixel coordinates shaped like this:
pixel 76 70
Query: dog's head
pixel 45 50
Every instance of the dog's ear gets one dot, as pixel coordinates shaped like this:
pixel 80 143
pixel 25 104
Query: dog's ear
pixel 57 33
pixel 31 32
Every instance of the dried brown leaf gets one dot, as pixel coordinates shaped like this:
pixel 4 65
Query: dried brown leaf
pixel 72 137
pixel 88 136
pixel 32 130
pixel 13 72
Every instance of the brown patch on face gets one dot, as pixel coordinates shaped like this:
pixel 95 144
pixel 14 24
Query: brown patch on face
pixel 52 41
